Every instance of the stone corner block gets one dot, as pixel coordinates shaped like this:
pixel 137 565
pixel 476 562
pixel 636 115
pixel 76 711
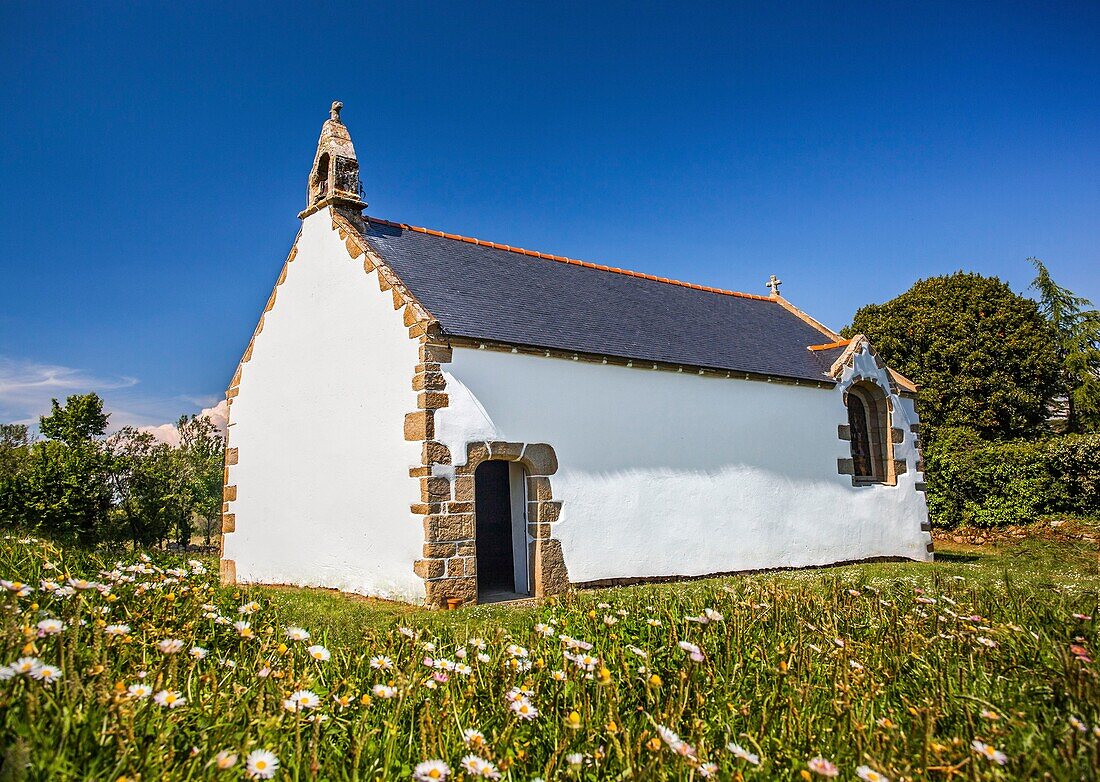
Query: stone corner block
pixel 506 451
pixel 545 512
pixel 227 572
pixel 540 459
pixel 551 576
pixel 538 489
pixel 429 568
pixel 476 453
pixel 419 425
pixel 435 453
pixel 462 590
pixel 449 527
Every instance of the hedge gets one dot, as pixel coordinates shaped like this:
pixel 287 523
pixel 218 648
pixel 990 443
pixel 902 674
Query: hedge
pixel 977 483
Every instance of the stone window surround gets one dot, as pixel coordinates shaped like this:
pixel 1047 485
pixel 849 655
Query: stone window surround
pixel 884 436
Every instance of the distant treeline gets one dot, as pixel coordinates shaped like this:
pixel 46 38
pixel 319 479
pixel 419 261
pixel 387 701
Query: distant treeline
pixel 73 482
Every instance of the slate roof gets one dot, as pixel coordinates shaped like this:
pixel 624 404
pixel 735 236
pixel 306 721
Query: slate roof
pixel 487 292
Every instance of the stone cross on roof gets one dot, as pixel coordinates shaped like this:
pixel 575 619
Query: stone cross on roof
pixel 774 283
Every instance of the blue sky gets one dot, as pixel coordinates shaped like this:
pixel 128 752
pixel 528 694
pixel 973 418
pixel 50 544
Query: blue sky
pixel 153 159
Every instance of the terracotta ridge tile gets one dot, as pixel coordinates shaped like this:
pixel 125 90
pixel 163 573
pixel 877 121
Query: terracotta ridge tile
pixel 831 345
pixel 575 262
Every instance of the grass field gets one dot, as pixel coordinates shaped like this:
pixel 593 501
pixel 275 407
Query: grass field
pixel 976 667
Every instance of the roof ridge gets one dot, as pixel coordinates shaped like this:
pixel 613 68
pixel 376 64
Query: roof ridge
pixel 840 343
pixel 570 261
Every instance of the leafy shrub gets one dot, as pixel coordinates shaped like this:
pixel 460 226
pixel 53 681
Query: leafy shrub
pixel 983 356
pixel 992 484
pixel 1075 459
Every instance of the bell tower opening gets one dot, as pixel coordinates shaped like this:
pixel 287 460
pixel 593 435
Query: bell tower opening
pixel 320 179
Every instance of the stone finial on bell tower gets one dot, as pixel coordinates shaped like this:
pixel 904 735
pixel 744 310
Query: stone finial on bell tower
pixel 334 180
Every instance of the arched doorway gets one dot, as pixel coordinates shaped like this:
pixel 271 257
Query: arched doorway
pixel 501 540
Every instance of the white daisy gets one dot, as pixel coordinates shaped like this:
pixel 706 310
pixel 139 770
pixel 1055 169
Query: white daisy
pixel 301 699
pixel 989 753
pixel 476 767
pixel 50 626
pixel 261 764
pixel 473 738
pixel 524 709
pixel 319 653
pixel 169 699
pixel 431 771
pixel 743 753
pixel 139 690
pixel 823 767
pixel 297 634
pixel 47 674
pixel 694 652
pixel 25 666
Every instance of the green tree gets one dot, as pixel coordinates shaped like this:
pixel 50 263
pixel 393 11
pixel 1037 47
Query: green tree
pixel 15 447
pixel 983 356
pixel 79 421
pixel 67 486
pixel 201 453
pixel 145 486
pixel 1078 348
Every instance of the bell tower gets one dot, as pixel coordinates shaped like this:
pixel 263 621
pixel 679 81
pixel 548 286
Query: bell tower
pixel 334 180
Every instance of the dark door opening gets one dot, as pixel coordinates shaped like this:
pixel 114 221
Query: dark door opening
pixel 493 510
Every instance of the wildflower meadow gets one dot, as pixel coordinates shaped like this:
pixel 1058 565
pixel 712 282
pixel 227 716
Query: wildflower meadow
pixel 980 666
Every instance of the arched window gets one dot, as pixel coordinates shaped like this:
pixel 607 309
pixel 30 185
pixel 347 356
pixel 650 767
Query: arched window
pixel 869 423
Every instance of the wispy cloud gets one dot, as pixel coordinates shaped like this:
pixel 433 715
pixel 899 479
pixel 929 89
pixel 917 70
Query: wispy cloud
pixel 26 387
pixel 167 433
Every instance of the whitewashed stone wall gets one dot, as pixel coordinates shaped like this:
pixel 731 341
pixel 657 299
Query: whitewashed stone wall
pixel 663 473
pixel 322 489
